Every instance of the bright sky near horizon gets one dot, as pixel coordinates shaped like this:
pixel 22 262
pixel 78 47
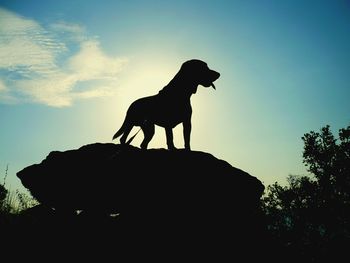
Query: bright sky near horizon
pixel 69 70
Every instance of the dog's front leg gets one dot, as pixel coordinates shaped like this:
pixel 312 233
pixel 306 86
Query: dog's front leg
pixel 187 133
pixel 169 138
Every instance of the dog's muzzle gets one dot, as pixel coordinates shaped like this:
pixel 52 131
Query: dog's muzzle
pixel 214 76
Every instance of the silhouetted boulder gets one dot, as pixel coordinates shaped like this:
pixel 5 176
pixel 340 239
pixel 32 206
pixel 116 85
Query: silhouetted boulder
pixel 168 195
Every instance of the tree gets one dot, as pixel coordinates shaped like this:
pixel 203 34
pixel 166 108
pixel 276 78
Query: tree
pixel 329 161
pixel 312 213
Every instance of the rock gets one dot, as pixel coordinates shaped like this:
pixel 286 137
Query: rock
pixel 111 176
pixel 189 195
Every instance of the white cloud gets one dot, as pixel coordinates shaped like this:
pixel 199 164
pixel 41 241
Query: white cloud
pixel 91 63
pixel 73 31
pixel 24 43
pixel 3 87
pixel 68 27
pixel 37 62
pixel 53 91
pixel 4 94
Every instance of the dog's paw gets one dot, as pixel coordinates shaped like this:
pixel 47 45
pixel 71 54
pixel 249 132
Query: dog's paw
pixel 187 147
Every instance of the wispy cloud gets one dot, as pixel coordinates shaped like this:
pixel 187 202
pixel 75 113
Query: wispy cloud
pixel 91 63
pixel 4 94
pixel 36 63
pixel 2 87
pixel 26 45
pixel 74 32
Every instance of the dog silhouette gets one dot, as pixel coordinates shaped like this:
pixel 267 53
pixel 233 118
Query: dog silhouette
pixel 170 107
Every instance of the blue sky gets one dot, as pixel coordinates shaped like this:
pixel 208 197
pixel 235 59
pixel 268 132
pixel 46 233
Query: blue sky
pixel 70 69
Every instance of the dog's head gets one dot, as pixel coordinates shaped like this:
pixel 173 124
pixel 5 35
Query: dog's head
pixel 197 71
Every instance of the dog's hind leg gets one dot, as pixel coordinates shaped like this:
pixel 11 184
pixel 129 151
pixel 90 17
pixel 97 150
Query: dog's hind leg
pixel 148 132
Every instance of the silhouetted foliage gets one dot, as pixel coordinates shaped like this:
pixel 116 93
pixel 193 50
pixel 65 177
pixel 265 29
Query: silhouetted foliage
pixel 13 202
pixel 3 191
pixel 311 215
pixel 3 194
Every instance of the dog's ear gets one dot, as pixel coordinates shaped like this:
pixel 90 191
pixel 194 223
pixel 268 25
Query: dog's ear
pixel 185 68
pixel 184 74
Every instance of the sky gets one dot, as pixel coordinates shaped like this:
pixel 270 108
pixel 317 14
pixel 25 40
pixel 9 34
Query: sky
pixel 70 69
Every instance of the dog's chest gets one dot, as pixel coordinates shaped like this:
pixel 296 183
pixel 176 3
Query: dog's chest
pixel 172 113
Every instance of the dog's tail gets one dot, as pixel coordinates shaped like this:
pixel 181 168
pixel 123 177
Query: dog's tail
pixel 119 132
